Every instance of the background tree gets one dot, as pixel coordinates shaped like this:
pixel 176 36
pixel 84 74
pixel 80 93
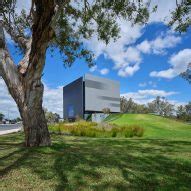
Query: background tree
pixel 161 107
pixel 181 21
pixel 129 106
pixel 181 112
pixel 56 24
pixel 1 116
pixel 106 110
pixel 184 112
pixel 188 108
pixel 51 117
pixel 123 104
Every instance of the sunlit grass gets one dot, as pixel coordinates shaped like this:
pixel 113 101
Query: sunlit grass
pixel 81 163
pixel 154 126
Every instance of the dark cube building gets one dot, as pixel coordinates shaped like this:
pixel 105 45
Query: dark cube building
pixel 90 94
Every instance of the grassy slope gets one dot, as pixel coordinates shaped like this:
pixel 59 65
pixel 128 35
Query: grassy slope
pixel 79 163
pixel 76 163
pixel 155 126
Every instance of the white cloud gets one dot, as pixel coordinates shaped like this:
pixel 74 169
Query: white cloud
pixel 125 59
pixel 125 56
pixel 53 101
pixel 130 64
pixel 7 105
pixel 23 4
pixel 179 63
pixel 104 71
pixel 155 93
pixel 160 44
pixel 163 10
pixel 147 95
pixel 144 47
pixel 149 83
pixel 142 85
pixel 153 84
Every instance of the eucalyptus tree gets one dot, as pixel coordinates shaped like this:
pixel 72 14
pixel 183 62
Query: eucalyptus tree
pixel 61 24
pixel 1 116
pixel 181 21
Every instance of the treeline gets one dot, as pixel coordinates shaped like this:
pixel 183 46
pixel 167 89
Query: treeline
pixel 3 119
pixel 160 106
pixel 51 117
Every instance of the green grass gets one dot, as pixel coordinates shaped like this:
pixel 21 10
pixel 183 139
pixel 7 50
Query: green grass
pixel 81 163
pixel 154 126
pixel 161 160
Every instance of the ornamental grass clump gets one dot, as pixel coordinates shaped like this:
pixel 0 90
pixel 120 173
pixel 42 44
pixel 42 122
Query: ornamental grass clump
pixel 91 129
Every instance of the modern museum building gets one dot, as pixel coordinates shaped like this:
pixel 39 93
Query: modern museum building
pixel 89 95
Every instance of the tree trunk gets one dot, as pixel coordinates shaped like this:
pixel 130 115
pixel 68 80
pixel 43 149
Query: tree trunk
pixel 24 81
pixel 32 113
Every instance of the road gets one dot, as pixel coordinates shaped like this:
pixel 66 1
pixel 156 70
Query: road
pixel 9 128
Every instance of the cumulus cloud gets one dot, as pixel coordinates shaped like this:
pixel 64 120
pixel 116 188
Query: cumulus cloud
pixel 53 101
pixel 126 59
pixel 144 47
pixel 104 71
pixel 160 44
pixel 149 83
pixel 147 95
pixel 124 54
pixel 178 62
pixel 143 84
pixel 7 105
pixel 164 8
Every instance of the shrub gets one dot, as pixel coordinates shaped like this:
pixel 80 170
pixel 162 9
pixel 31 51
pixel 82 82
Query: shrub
pixel 114 133
pixel 92 129
pixel 128 132
pixel 138 131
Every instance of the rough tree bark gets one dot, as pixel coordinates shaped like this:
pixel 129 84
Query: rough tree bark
pixel 24 81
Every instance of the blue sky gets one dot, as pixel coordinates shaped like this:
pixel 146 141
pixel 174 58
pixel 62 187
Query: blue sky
pixel 147 60
pixel 56 75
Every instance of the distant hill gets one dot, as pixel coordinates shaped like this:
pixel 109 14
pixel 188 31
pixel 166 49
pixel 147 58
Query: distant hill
pixel 155 126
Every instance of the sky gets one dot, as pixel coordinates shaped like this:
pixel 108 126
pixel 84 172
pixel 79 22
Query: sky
pixel 146 60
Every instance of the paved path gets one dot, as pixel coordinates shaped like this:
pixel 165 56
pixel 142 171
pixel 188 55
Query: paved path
pixel 9 128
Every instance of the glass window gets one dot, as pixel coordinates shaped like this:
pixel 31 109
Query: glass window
pixel 71 111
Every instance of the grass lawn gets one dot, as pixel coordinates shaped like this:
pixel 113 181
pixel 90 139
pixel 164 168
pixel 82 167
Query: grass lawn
pixel 154 126
pixel 81 163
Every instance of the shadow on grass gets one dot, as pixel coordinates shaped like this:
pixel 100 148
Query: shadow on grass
pixel 99 164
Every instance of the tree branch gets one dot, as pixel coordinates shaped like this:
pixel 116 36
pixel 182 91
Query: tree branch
pixel 19 39
pixel 8 69
pixel 42 33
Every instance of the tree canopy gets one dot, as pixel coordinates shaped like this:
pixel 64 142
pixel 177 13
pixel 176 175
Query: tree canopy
pixel 73 21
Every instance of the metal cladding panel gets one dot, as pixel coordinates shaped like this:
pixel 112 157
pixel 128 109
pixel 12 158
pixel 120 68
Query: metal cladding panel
pixel 101 93
pixel 73 99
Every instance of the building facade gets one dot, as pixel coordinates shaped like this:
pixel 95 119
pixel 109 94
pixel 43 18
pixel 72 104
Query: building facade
pixel 90 94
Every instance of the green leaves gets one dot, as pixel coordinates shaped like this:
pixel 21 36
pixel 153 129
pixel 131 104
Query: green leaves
pixel 181 16
pixel 80 20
